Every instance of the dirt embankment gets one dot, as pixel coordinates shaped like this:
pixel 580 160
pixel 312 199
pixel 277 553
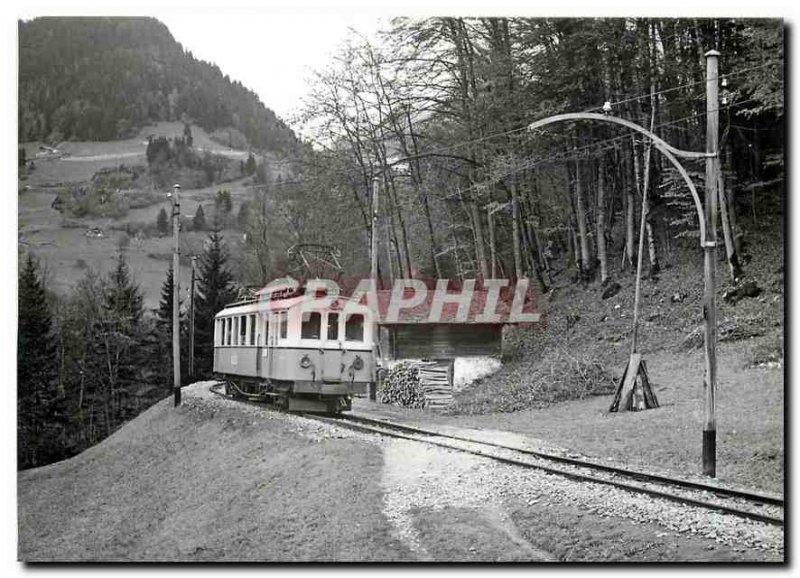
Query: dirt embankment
pixel 209 482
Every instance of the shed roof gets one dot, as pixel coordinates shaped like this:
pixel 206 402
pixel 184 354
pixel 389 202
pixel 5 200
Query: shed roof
pixel 477 314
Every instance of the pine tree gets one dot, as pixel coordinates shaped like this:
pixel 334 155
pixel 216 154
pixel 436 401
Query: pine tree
pixel 116 357
pixel 250 165
pixel 162 357
pixel 187 135
pixel 38 407
pixel 199 220
pixel 215 290
pixel 164 313
pixel 123 298
pixel 162 223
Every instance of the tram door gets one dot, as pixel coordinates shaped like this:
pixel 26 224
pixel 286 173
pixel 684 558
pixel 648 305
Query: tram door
pixel 334 353
pixel 270 339
pixel 259 331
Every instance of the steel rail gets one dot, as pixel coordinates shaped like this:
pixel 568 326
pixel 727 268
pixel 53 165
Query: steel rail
pixel 645 476
pixel 384 429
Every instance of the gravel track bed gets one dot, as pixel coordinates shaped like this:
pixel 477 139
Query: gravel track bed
pixel 418 475
pixel 700 495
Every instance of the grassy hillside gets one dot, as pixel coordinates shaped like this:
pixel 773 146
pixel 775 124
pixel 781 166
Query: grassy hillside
pixel 60 240
pixel 237 490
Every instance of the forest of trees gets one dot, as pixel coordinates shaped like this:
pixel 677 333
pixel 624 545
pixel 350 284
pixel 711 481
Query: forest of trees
pixel 90 361
pixel 480 195
pixel 105 78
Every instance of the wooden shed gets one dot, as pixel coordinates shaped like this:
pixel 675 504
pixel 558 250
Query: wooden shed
pixel 416 333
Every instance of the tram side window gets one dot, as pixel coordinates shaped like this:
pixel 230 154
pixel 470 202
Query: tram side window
pixel 283 320
pixel 333 326
pixel 312 325
pixel 242 330
pixel 252 324
pixel 354 328
pixel 229 331
pixel 265 339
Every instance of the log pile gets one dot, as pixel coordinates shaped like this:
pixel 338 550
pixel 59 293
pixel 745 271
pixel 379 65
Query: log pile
pixel 401 386
pixel 436 380
pixel 418 384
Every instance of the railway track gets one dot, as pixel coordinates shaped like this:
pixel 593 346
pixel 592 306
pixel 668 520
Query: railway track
pixel 760 507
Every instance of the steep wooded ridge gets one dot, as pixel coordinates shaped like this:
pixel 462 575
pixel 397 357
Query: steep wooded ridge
pixel 103 78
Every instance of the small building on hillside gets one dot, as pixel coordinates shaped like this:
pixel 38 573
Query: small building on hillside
pixel 420 332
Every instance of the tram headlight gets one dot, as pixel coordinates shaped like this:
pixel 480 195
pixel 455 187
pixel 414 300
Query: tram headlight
pixel 305 362
pixel 358 363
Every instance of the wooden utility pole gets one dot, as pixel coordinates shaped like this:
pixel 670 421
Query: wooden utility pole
pixel 176 295
pixel 373 251
pixel 710 248
pixel 645 187
pixel 191 317
pixel 373 266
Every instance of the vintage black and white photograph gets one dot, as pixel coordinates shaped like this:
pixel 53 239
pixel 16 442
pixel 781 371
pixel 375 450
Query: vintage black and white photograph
pixel 305 285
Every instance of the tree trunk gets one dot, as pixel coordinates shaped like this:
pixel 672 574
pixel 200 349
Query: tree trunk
pixel 734 268
pixel 630 211
pixel 730 193
pixel 477 229
pixel 492 245
pixel 655 267
pixel 601 222
pixel 576 251
pixel 580 214
pixel 515 228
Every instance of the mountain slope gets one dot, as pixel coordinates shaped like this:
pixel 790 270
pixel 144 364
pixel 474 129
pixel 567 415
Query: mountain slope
pixel 104 78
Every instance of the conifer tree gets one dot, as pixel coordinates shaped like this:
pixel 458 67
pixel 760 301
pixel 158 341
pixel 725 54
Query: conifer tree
pixel 215 290
pixel 162 356
pixel 116 358
pixel 250 165
pixel 199 220
pixel 38 405
pixel 162 222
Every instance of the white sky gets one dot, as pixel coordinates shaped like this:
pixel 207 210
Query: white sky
pixel 271 53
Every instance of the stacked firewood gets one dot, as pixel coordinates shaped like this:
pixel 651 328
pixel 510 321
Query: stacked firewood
pixel 436 382
pixel 401 386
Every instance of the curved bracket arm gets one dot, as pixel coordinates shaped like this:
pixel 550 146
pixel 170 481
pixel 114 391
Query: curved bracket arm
pixel 666 149
pixel 621 121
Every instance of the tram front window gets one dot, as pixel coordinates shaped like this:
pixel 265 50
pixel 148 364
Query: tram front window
pixel 312 325
pixel 354 328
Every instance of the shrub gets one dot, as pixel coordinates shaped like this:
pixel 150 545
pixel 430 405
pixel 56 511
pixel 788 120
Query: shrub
pixel 557 376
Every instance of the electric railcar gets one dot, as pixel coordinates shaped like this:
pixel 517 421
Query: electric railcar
pixel 298 355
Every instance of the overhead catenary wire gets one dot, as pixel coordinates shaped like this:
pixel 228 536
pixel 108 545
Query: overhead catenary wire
pixel 570 154
pixel 525 165
pixel 455 146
